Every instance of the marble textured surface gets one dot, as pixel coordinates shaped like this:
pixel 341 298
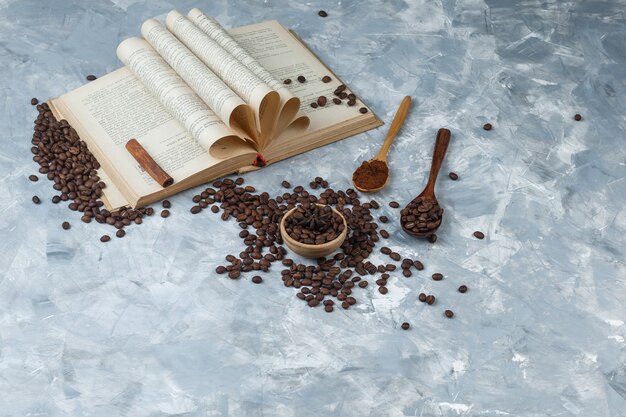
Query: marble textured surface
pixel 143 327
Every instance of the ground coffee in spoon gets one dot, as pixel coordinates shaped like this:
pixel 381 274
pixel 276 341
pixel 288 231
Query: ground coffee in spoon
pixel 371 174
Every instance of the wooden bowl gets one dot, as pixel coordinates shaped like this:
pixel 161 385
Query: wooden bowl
pixel 313 251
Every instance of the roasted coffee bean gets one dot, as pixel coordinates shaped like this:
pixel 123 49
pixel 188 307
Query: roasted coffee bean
pixel 422 297
pixel 215 209
pixel 395 256
pixel 120 233
pixel 56 199
pixel 322 13
pixel 479 235
pixel 314 105
pixel 363 284
pixel 105 238
pixel 394 204
pixel 285 184
pixel 220 269
pixel 351 102
pixel 345 305
pixel 325 78
pixel 195 209
pixel 406 326
pixel 383 219
pixel 33 178
pixel 449 313
pixel 301 78
pixel 430 299
pixel 383 290
pixel 165 213
pixel 166 204
pixel 336 101
pixel 418 265
pixel 321 101
pixel 578 117
pixel 86 219
pixel 385 250
pixel 36 199
pixel 407 273
pixel 432 238
pixel 463 289
pixel 384 233
pixel 257 279
pixel 329 308
pixel 487 126
pixel 453 176
pixel 66 225
pixel 287 81
pixel 91 77
pixel 234 274
pixel 363 110
pixel 34 101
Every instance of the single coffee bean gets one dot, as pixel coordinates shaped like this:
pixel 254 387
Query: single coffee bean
pixel 322 13
pixel 351 102
pixel 314 105
pixel 363 284
pixel 321 101
pixel 195 209
pixel 363 110
pixel 301 78
pixel 234 274
pixel 287 81
pixel 437 276
pixel 120 233
pixel 36 199
pixel 395 256
pixel 385 250
pixel 453 176
pixel 383 219
pixel 394 204
pixel 91 77
pixel 34 101
pixel 407 273
pixel 165 213
pixel 406 326
pixel 220 269
pixel 105 238
pixel 418 265
pixel 578 117
pixel 215 209
pixel 285 184
pixel 463 289
pixel 329 308
pixel 56 199
pixel 336 101
pixel 166 204
pixel 422 297
pixel 479 235
pixel 384 233
pixel 449 314
pixel 66 225
pixel 430 299
pixel 383 290
pixel 432 238
pixel 257 279
pixel 33 178
pixel 326 79
pixel 487 126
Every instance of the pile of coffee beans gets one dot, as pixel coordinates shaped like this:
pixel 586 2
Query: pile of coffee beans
pixel 314 224
pixel 65 160
pixel 421 216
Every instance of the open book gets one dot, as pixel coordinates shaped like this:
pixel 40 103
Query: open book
pixel 205 102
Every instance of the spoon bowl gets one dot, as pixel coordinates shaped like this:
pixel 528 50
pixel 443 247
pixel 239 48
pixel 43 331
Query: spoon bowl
pixel 382 154
pixel 427 197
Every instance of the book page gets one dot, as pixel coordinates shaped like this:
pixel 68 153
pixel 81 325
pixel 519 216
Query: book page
pixel 175 95
pixel 224 102
pixel 237 76
pixel 109 111
pixel 289 102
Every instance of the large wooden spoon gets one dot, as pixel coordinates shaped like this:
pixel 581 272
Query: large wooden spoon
pixel 382 154
pixel 427 198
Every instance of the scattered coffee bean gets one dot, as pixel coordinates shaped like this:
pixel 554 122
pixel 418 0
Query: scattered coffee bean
pixel 384 233
pixel 449 314
pixel 34 101
pixel 418 265
pixel 165 213
pixel 406 326
pixel 479 235
pixel 326 79
pixel 234 274
pixel 437 276
pixel 463 289
pixel 383 219
pixel 287 81
pixel 56 199
pixel 407 273
pixel 91 77
pixel 220 269
pixel 36 199
pixel 453 176
pixel 336 101
pixel 422 297
pixel 33 178
pixel 578 117
pixel 329 308
pixel 257 279
pixel 352 103
pixel 321 101
pixel 322 13
pixel 314 105
pixel 166 204
pixel 430 300
pixel 285 184
pixel 66 225
pixel 487 126
pixel 120 233
pixel 432 238
pixel 105 238
pixel 394 204
pixel 385 250
pixel 301 79
pixel 195 209
pixel 395 256
pixel 383 290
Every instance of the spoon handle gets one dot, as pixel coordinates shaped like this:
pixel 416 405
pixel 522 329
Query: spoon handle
pixel 403 110
pixel 441 145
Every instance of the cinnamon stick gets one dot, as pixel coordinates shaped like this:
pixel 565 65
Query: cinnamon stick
pixel 145 160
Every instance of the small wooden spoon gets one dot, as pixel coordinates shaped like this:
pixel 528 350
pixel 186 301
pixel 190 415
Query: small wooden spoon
pixel 441 145
pixel 382 154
